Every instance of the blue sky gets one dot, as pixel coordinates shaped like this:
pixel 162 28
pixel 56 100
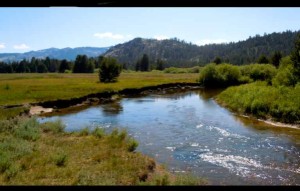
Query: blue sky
pixel 25 29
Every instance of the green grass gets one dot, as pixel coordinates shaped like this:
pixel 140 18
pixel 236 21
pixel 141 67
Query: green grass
pixel 28 88
pixel 264 101
pixel 7 113
pixel 52 157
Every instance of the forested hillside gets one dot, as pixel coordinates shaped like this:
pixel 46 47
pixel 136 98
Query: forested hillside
pixel 179 53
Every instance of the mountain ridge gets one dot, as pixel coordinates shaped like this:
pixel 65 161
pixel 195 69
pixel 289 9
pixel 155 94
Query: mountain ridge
pixel 57 53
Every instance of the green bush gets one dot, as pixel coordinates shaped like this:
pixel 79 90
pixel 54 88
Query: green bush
pixel 98 132
pixel 284 77
pixel 132 145
pixel 5 162
pixel 11 172
pixel 281 103
pixel 60 159
pixel 221 75
pixel 264 72
pixel 28 130
pixel 109 70
pixel 173 70
pixel 195 69
pixel 53 126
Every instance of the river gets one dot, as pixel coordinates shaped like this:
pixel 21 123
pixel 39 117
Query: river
pixel 189 132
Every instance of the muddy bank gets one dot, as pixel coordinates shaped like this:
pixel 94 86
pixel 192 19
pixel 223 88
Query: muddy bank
pixel 69 105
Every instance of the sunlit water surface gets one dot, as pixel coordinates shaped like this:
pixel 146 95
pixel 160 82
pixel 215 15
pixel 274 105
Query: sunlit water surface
pixel 190 132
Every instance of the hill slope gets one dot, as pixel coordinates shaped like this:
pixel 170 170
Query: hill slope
pixel 182 54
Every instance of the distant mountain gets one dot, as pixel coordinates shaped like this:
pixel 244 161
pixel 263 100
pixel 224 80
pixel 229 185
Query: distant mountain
pixel 65 53
pixel 179 53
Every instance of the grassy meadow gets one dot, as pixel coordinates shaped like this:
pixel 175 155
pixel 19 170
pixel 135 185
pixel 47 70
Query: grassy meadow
pixel 31 87
pixel 34 153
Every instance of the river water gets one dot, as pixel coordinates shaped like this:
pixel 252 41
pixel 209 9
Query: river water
pixel 190 132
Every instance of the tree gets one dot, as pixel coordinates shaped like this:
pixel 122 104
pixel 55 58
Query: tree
pixel 64 65
pixel 295 57
pixel 41 68
pixel 138 65
pixel 217 60
pixel 81 64
pixel 109 70
pixel 90 67
pixel 263 59
pixel 145 63
pixel 98 61
pixel 275 59
pixel 159 64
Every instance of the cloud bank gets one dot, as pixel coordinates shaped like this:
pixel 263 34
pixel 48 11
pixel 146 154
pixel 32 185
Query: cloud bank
pixel 21 47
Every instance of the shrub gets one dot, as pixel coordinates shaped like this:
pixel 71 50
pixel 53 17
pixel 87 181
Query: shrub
pixel 284 77
pixel 5 162
pixel 222 75
pixel 259 71
pixel 109 70
pixel 98 132
pixel 132 145
pixel 53 126
pixel 60 159
pixel 11 172
pixel 84 132
pixel 28 130
pixel 173 70
pixel 281 103
pixel 195 69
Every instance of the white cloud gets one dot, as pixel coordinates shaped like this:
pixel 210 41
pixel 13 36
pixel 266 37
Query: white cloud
pixel 211 41
pixel 109 35
pixel 2 45
pixel 21 47
pixel 161 37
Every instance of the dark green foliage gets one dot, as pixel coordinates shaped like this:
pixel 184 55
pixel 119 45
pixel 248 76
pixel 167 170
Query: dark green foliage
pixel 81 64
pixel 159 64
pixel 41 68
pixel 275 59
pixel 295 57
pixel 138 65
pixel 222 75
pixel 217 60
pixel 64 65
pixel 144 63
pixel 262 59
pixel 178 53
pixel 91 67
pixel 109 70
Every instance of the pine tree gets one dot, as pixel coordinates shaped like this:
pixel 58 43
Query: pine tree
pixel 275 59
pixel 145 63
pixel 295 57
pixel 217 60
pixel 263 59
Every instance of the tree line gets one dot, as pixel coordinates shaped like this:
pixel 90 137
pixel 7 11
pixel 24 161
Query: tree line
pixel 82 64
